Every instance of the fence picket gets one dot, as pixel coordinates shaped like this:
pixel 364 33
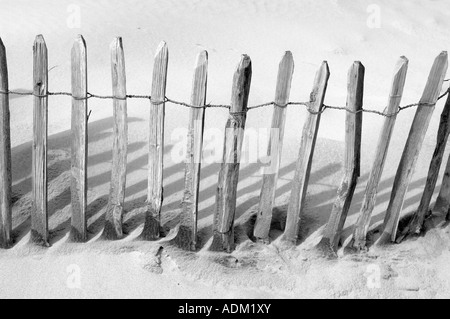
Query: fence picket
pixel 416 223
pixel 363 222
pixel 78 185
pixel 39 214
pixel 412 149
pixel 442 206
pixel 186 237
pixel 353 125
pixel 223 232
pixel 5 155
pixel 114 209
pixel 274 150
pixel 306 154
pixel 156 142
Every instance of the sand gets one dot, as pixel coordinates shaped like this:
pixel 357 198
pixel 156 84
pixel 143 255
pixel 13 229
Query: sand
pixel 337 31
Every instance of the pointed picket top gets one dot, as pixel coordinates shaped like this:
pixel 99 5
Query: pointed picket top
pixel 202 59
pixel 160 65
pixel 116 44
pixel 323 74
pixel 398 82
pixel 243 72
pixel 162 50
pixel 3 65
pixel 399 70
pixel 40 47
pixel 79 48
pixel 79 42
pixel 39 39
pixel 2 49
pixel 79 57
pixel 435 79
pixel 286 67
pixel 118 60
pixel 287 60
pixel 41 66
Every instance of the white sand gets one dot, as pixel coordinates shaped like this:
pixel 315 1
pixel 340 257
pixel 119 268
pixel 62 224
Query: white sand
pixel 335 31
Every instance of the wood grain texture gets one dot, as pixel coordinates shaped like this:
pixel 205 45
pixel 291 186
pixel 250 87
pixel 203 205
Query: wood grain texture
pixel 275 148
pixel 442 206
pixel 39 215
pixel 306 154
pixel 186 237
pixel 353 129
pixel 5 155
pixel 415 226
pixel 412 149
pixel 78 181
pixel 114 209
pixel 370 194
pixel 156 143
pixel 223 233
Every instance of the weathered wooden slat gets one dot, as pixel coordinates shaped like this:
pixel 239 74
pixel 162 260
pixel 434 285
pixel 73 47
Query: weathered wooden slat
pixel 186 237
pixel 39 215
pixel 412 149
pixel 5 155
pixel 156 142
pixel 78 185
pixel 306 154
pixel 442 206
pixel 353 129
pixel 223 233
pixel 370 195
pixel 114 209
pixel 416 224
pixel 274 150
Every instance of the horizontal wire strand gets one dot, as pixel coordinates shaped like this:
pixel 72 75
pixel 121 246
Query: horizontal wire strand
pixel 209 105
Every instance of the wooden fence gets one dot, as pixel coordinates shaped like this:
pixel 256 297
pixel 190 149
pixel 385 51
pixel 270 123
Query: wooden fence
pixel 224 214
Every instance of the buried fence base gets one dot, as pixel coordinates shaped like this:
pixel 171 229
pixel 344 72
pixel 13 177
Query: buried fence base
pixel 440 212
pixel 291 242
pixel 417 222
pixel 264 241
pixel 415 228
pixel 113 223
pixel 152 227
pixel 6 244
pixel 77 237
pixel 325 248
pixel 223 242
pixel 38 239
pixel 358 245
pixel 430 221
pixel 184 238
pixel 384 240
